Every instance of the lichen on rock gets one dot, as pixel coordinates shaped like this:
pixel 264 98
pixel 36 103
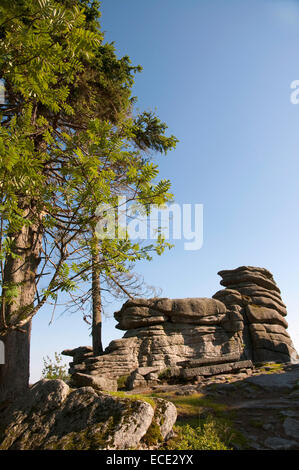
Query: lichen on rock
pixel 52 416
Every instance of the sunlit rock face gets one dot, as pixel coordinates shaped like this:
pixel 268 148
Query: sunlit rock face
pixel 255 294
pixel 245 321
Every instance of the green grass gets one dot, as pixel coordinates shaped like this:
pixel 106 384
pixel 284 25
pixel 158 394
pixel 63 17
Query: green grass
pixel 191 405
pixel 271 368
pixel 121 394
pixel 201 424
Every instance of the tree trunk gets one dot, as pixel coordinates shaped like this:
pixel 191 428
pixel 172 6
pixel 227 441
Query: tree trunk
pixel 96 304
pixel 14 374
pixel 20 271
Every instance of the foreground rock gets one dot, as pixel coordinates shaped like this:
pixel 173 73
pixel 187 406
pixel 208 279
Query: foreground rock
pixel 260 409
pixel 53 416
pixel 263 407
pixel 194 337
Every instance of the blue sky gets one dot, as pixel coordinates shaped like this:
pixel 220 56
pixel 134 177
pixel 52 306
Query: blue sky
pixel 219 73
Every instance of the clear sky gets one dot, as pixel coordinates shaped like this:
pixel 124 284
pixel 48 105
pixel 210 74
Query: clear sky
pixel 219 73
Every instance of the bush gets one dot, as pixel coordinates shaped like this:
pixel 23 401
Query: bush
pixel 55 369
pixel 122 382
pixel 209 436
pixel 165 375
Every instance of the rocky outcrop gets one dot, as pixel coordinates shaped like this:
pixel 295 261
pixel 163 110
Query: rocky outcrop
pixel 254 293
pixel 185 329
pixel 246 321
pixel 53 416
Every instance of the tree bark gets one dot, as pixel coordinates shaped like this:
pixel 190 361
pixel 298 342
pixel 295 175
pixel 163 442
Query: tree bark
pixel 20 271
pixel 96 304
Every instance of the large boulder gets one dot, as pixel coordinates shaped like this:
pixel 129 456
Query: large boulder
pixel 51 416
pixel 143 312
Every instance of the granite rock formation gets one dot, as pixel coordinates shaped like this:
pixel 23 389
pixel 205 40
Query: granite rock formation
pixel 254 294
pixel 193 337
pixel 51 416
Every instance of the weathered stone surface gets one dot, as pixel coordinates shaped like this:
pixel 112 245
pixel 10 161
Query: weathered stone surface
pixel 160 347
pixel 135 380
pixel 291 428
pixel 269 303
pixel 259 276
pixel 95 381
pixel 252 290
pixel 140 312
pixel 248 288
pixel 247 320
pixel 270 329
pixel 259 314
pixel 135 317
pixel 230 297
pixel 78 354
pixel 165 416
pixel 267 339
pixel 279 382
pixel 243 297
pixel 209 360
pixel 215 369
pixel 52 416
pixel 278 443
pixel 147 370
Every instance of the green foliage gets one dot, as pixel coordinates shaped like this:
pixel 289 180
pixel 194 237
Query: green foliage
pixel 210 435
pixel 69 142
pixel 202 424
pixel 153 435
pixel 122 382
pixel 192 406
pixel 134 397
pixel 55 369
pixel 165 375
pixel 271 368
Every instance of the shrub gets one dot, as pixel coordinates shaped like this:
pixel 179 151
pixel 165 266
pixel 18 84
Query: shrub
pixel 165 374
pixel 122 382
pixel 55 369
pixel 208 436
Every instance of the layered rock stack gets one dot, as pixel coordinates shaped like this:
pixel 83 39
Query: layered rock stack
pixel 253 293
pixel 193 337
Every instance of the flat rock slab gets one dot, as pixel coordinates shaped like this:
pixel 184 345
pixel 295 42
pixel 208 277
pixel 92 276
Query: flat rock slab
pixel 147 370
pixel 291 428
pixel 209 360
pixel 279 404
pixel 275 382
pixel 216 369
pixel 80 351
pixel 95 381
pixel 278 443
